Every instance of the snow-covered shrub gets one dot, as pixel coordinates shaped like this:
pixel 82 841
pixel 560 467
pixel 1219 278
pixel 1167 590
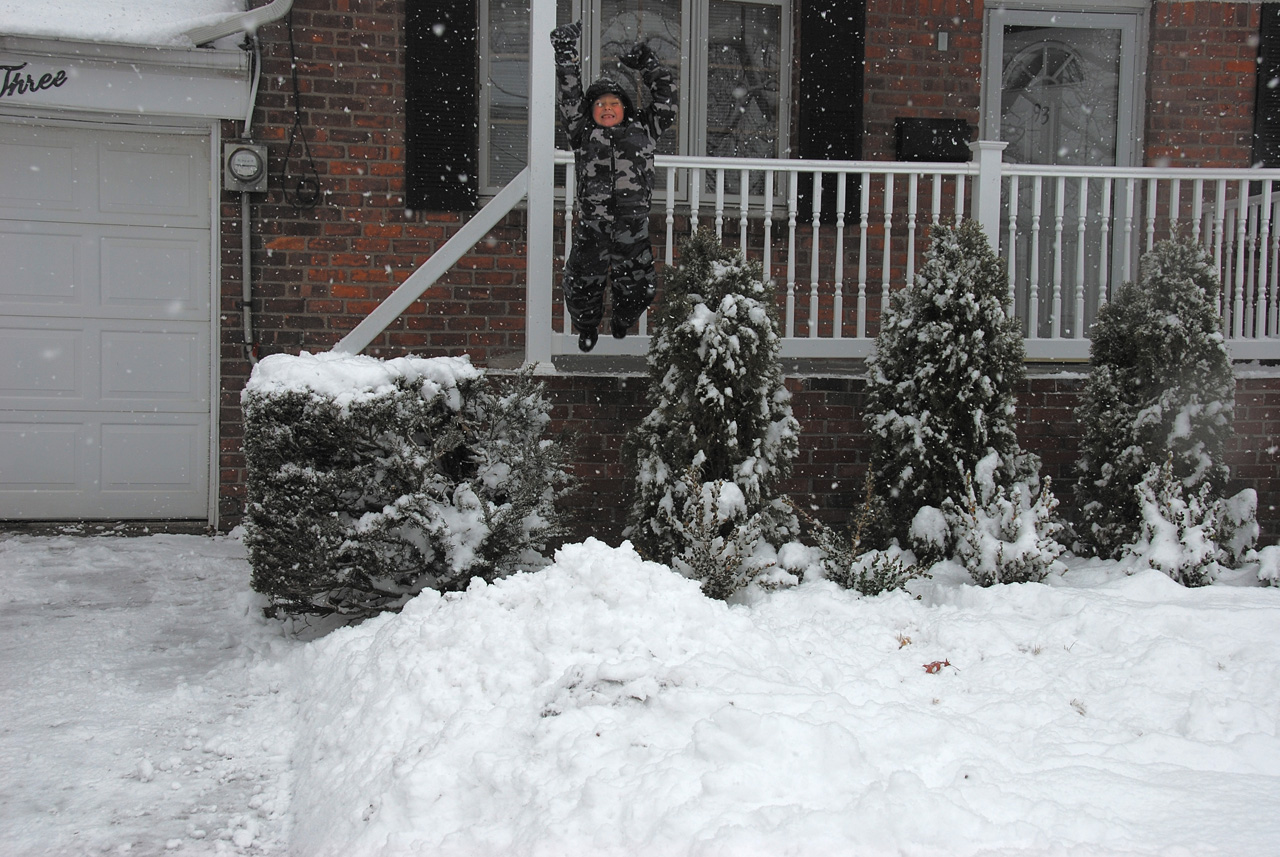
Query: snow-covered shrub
pixel 1161 381
pixel 369 481
pixel 718 402
pixel 846 560
pixel 1237 527
pixel 1004 535
pixel 940 384
pixel 720 537
pixel 1176 535
pixel 1268 560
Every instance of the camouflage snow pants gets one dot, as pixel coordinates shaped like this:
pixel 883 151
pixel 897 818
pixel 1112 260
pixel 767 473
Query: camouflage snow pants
pixel 616 251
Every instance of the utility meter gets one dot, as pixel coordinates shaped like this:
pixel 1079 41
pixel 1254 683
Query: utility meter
pixel 244 167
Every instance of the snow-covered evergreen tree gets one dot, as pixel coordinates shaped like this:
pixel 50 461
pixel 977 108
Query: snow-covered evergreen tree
pixel 940 384
pixel 1160 383
pixel 718 404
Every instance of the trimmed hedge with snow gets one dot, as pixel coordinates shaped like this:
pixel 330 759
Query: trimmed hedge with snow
pixel 371 480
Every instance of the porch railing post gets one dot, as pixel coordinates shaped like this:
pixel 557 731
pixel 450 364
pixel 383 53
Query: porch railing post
pixel 988 155
pixel 541 202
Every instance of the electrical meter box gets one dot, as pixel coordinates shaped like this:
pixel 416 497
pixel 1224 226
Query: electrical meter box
pixel 244 167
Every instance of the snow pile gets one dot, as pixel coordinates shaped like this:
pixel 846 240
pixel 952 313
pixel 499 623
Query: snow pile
pixel 605 706
pixel 159 23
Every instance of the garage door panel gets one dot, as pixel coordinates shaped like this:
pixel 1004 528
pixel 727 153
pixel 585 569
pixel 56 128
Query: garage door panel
pixel 41 264
pixel 149 457
pixel 152 179
pixel 36 456
pixel 38 172
pixel 143 366
pixel 157 277
pixel 41 364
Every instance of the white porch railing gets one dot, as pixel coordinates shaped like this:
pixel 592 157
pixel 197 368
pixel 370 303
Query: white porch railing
pixel 837 237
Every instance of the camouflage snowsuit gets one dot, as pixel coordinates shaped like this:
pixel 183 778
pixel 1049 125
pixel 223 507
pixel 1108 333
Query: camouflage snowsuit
pixel 614 175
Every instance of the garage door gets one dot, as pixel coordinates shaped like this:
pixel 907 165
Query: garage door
pixel 104 323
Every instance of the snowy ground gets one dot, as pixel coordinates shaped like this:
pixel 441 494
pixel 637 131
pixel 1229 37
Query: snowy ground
pixel 604 707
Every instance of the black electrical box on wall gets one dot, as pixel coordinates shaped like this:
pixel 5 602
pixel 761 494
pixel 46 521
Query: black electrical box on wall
pixel 945 140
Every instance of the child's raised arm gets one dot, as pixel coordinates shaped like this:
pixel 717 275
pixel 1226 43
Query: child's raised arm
pixel 564 41
pixel 661 111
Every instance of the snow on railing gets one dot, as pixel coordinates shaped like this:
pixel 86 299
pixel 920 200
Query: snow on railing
pixel 836 237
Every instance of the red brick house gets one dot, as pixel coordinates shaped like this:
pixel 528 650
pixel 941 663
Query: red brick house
pixel 387 126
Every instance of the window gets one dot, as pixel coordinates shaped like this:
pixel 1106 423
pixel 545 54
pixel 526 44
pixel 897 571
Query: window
pixel 731 60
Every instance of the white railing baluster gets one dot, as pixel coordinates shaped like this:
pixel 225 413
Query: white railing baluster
pixel 1152 196
pixel 837 325
pixel 1197 211
pixel 695 197
pixel 1011 263
pixel 1033 261
pixel 1260 312
pixel 793 196
pixel 1175 205
pixel 1104 255
pixel 935 207
pixel 913 186
pixel 864 219
pixel 886 262
pixel 1219 221
pixel 1077 329
pixel 744 207
pixel 1129 262
pixel 720 203
pixel 814 254
pixel 1273 307
pixel 768 225
pixel 960 198
pixel 1059 217
pixel 570 184
pixel 671 216
pixel 1242 215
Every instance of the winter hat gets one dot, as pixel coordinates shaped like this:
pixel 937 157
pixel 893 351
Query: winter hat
pixel 607 86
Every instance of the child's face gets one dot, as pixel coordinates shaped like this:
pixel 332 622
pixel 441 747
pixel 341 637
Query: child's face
pixel 607 110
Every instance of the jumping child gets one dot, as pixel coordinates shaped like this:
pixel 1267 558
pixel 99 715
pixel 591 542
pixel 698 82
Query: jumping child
pixel 613 146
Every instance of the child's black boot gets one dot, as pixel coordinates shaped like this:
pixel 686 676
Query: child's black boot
pixel 587 337
pixel 619 329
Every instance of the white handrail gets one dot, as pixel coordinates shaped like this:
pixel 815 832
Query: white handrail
pixel 471 233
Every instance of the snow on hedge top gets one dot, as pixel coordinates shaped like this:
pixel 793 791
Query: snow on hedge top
pixel 157 23
pixel 348 378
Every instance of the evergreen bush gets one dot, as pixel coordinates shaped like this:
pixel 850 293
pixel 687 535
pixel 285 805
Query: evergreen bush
pixel 1003 535
pixel 850 564
pixel 940 384
pixel 1161 382
pixel 718 405
pixel 369 481
pixel 1176 535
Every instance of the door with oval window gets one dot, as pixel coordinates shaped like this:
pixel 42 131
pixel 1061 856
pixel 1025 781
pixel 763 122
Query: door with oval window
pixel 1062 90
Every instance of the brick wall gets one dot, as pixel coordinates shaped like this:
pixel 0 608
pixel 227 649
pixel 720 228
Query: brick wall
pixel 1201 72
pixel 908 76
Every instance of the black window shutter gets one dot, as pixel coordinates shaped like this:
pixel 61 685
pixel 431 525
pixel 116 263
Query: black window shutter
pixel 442 107
pixel 832 49
pixel 1266 117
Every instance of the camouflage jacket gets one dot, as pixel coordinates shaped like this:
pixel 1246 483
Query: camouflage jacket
pixel 614 166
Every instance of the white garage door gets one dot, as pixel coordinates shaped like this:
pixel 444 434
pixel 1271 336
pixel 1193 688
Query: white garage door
pixel 104 323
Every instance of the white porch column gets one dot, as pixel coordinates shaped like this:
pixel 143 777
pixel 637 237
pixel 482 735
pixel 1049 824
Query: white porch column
pixel 988 155
pixel 542 143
